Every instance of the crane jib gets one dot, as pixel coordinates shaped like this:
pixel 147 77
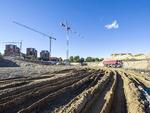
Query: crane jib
pixel 25 26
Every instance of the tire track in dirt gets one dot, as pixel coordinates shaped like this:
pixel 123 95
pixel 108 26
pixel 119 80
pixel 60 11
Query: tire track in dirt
pixel 41 87
pixel 132 94
pixel 27 96
pixel 49 88
pixel 78 104
pixel 29 87
pixel 30 78
pixel 58 94
pixel 97 76
pixel 102 101
pixel 119 101
pixel 144 96
pixel 76 91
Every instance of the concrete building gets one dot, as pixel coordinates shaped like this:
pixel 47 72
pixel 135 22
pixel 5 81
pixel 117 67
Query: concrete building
pixel 44 55
pixel 31 52
pixel 11 50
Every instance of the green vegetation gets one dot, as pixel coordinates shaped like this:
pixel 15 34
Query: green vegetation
pixel 82 60
pixel 101 59
pixel 71 59
pixel 74 59
pixel 138 55
pixel 88 59
pixel 91 59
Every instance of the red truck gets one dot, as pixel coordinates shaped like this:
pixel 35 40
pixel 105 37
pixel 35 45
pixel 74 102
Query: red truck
pixel 113 63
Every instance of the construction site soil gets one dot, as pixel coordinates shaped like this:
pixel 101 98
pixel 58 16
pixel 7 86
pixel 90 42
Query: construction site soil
pixel 77 91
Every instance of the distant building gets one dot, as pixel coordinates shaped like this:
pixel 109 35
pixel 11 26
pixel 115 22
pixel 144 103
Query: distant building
pixel 31 52
pixel 11 50
pixel 44 55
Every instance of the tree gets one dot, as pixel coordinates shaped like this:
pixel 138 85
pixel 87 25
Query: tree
pixel 140 54
pixel 81 60
pixel 60 59
pixel 76 59
pixel 71 59
pixel 96 59
pixel 89 59
pixel 93 59
pixel 101 59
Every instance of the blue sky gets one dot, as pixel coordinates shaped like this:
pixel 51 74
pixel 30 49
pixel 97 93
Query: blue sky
pixel 87 17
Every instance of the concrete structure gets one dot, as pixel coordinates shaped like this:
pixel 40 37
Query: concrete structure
pixel 44 55
pixel 31 52
pixel 11 50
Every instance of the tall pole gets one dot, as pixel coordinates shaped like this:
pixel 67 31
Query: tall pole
pixel 67 29
pixel 50 42
pixel 20 48
pixel 67 51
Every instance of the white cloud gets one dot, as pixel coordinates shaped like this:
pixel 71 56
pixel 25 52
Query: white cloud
pixel 113 25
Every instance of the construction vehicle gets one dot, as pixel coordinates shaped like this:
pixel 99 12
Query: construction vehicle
pixel 113 63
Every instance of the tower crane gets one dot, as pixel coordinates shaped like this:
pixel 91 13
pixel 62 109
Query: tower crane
pixel 34 30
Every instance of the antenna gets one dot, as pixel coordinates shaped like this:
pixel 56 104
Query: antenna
pixel 68 30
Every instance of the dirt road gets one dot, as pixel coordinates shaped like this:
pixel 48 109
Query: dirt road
pixel 77 91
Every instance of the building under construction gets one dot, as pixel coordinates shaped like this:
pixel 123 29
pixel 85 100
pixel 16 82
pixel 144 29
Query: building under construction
pixel 44 55
pixel 11 50
pixel 31 53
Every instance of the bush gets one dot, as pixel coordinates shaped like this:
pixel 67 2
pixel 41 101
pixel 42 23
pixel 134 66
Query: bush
pixel 101 59
pixel 97 59
pixel 89 59
pixel 60 59
pixel 76 59
pixel 81 60
pixel 138 55
pixel 71 59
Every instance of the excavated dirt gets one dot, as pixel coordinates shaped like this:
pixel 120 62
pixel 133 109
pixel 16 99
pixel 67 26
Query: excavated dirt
pixel 77 91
